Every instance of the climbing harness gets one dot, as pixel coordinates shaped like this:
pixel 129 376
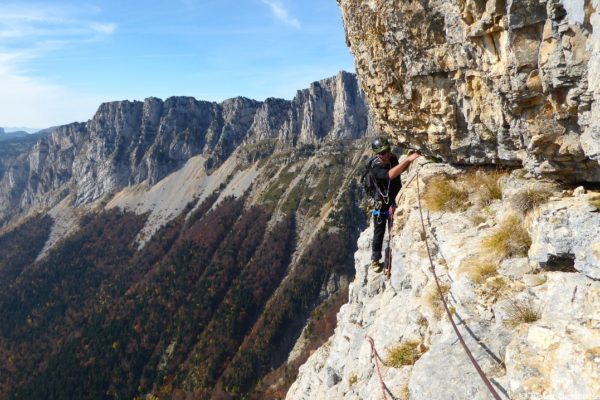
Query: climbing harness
pixel 375 356
pixel 378 213
pixel 439 288
pixel 385 197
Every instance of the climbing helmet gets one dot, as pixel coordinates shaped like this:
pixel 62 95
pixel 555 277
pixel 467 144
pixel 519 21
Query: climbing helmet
pixel 380 145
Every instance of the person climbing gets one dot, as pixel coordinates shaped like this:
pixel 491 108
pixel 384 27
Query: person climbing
pixel 384 170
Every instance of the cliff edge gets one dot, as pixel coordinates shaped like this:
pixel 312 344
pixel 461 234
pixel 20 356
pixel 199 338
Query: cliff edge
pixel 528 311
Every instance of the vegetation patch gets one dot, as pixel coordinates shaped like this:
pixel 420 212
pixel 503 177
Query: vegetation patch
pixel 493 289
pixel 530 198
pixel 444 194
pixel 406 353
pixel 595 201
pixel 433 300
pixel 479 269
pixel 486 186
pixel 457 194
pixel 281 183
pixel 352 379
pixel 478 219
pixel 521 312
pixel 404 393
pixel 510 239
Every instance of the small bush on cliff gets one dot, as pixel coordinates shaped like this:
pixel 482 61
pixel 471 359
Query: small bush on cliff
pixel 595 201
pixel 510 239
pixel 479 269
pixel 528 199
pixel 443 194
pixel 406 353
pixel 485 186
pixel 352 379
pixel 521 312
pixel 457 194
pixel 432 298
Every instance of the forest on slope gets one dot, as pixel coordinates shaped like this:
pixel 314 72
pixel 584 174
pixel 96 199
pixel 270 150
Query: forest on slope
pixel 212 303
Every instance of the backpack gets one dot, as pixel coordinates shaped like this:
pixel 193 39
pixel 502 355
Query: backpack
pixel 369 183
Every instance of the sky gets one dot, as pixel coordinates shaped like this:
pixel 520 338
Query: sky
pixel 59 60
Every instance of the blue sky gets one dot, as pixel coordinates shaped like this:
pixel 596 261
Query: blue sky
pixel 60 60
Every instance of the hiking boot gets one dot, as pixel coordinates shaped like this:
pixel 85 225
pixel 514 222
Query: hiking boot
pixel 376 266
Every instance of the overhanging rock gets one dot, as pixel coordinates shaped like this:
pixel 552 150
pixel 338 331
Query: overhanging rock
pixel 485 82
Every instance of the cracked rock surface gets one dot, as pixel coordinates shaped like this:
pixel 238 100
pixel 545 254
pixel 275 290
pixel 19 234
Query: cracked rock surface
pixel 485 81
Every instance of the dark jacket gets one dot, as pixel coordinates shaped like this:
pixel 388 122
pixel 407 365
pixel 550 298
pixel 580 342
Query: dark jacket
pixel 386 186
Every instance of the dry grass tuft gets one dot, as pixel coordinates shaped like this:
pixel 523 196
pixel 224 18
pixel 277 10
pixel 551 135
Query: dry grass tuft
pixel 479 269
pixel 352 379
pixel 485 185
pixel 510 239
pixel 493 289
pixel 528 199
pixel 406 353
pixel 521 312
pixel 443 194
pixel 595 201
pixel 404 393
pixel 432 298
pixel 457 194
pixel 477 219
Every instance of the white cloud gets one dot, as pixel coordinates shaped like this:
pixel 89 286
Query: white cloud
pixel 27 101
pixel 281 13
pixel 29 33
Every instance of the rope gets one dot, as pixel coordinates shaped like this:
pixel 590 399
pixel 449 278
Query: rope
pixel 376 357
pixel 439 288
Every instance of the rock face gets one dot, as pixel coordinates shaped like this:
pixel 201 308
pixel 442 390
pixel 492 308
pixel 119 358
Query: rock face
pixel 553 355
pixel 479 82
pixel 127 142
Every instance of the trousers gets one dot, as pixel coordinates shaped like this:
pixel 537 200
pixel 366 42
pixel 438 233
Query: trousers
pixel 379 226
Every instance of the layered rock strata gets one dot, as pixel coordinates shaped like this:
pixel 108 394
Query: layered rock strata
pixel 126 143
pixel 485 81
pixel 552 355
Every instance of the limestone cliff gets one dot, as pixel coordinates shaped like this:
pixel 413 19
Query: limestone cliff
pixel 127 143
pixel 485 81
pixel 551 354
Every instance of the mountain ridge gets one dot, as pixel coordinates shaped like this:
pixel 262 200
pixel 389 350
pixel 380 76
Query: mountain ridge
pixel 126 143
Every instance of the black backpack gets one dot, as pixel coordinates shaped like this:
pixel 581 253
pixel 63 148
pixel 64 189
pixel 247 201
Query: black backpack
pixel 369 183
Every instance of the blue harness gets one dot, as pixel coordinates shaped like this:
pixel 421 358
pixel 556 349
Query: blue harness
pixel 377 213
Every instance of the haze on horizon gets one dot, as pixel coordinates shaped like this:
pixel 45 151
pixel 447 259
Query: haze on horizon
pixel 59 61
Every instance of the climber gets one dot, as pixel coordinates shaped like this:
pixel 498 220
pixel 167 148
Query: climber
pixel 384 170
